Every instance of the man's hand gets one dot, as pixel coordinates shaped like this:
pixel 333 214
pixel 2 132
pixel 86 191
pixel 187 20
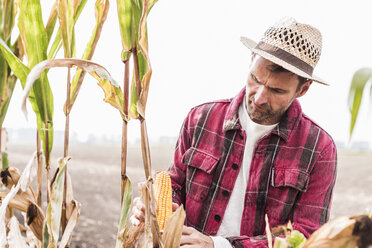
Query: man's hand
pixel 191 238
pixel 138 211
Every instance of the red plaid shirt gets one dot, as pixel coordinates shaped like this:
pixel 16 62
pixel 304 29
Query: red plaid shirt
pixel 291 177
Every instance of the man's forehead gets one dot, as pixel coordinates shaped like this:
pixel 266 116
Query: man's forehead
pixel 263 69
pixel 257 59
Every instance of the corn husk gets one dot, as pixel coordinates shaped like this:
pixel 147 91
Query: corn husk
pixel 336 233
pixel 173 228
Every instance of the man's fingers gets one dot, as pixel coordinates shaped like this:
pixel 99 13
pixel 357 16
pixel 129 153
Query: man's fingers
pixel 174 206
pixel 185 239
pixel 139 204
pixel 134 221
pixel 187 230
pixel 138 212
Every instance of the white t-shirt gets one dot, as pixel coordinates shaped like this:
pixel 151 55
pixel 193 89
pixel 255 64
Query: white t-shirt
pixel 231 221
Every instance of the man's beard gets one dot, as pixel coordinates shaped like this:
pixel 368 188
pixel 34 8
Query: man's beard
pixel 265 114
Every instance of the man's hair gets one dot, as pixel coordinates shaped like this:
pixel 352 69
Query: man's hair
pixel 277 69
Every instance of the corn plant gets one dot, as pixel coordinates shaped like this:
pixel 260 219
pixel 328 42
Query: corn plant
pixel 66 10
pixel 357 87
pixel 61 186
pixel 8 80
pixel 133 28
pixel 132 19
pixel 62 210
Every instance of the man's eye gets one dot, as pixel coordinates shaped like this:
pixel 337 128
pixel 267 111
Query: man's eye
pixel 254 78
pixel 279 91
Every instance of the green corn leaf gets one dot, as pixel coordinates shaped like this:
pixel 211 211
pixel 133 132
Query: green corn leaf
pixel 51 21
pixel 66 25
pixel 126 204
pixel 54 210
pixel 102 7
pixel 133 101
pixel 46 236
pixel 145 76
pixel 5 160
pixel 1 20
pixel 9 11
pixel 297 239
pixel 78 7
pixel 113 93
pixel 3 79
pixel 360 79
pixel 16 65
pixel 129 13
pixel 32 31
pixel 34 36
pixel 132 20
pixel 5 104
pixel 20 71
pixel 144 65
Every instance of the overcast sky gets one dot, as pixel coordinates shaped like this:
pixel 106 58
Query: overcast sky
pixel 197 56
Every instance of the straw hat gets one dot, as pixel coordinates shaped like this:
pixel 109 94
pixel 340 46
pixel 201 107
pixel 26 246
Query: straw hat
pixel 292 45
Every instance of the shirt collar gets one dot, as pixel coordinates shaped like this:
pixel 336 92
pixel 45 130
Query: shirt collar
pixel 289 121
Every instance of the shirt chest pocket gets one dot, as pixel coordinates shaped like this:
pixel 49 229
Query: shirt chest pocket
pixel 199 173
pixel 286 185
pixel 293 178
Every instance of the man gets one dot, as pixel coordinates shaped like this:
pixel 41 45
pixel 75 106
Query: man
pixel 257 153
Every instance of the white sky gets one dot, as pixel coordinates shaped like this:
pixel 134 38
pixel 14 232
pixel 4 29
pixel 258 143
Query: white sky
pixel 197 56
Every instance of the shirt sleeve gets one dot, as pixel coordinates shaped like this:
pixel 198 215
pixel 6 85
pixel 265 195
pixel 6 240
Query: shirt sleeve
pixel 177 171
pixel 313 206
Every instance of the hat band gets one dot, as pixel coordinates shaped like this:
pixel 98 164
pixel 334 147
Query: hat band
pixel 285 56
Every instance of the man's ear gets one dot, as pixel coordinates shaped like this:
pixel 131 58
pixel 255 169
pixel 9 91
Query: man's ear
pixel 304 88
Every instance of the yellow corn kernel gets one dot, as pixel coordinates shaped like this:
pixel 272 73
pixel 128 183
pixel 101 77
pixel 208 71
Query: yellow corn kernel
pixel 163 198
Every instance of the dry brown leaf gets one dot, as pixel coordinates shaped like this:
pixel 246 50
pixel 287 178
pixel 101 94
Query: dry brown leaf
pixel 10 177
pixel 336 233
pixel 268 232
pixel 72 221
pixel 133 235
pixel 35 220
pixel 173 228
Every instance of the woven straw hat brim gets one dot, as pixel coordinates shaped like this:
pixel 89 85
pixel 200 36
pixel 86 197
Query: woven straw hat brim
pixel 252 46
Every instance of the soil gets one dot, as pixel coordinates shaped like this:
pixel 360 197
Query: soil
pixel 95 173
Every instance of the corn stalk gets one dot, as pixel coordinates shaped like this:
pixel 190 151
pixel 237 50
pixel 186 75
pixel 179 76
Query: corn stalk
pixel 132 19
pixel 66 24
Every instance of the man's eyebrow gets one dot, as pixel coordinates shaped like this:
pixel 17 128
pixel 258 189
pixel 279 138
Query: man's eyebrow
pixel 271 88
pixel 277 89
pixel 255 78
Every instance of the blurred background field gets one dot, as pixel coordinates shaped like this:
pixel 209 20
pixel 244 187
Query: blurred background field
pixel 95 170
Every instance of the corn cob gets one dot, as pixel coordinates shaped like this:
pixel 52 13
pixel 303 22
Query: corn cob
pixel 163 198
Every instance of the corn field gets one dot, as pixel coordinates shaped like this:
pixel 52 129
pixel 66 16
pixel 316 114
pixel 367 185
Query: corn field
pixel 38 207
pixel 28 58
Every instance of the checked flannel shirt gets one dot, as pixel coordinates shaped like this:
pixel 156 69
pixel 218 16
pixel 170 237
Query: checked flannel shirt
pixel 291 177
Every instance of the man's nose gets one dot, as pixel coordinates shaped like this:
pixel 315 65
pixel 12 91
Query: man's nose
pixel 261 96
